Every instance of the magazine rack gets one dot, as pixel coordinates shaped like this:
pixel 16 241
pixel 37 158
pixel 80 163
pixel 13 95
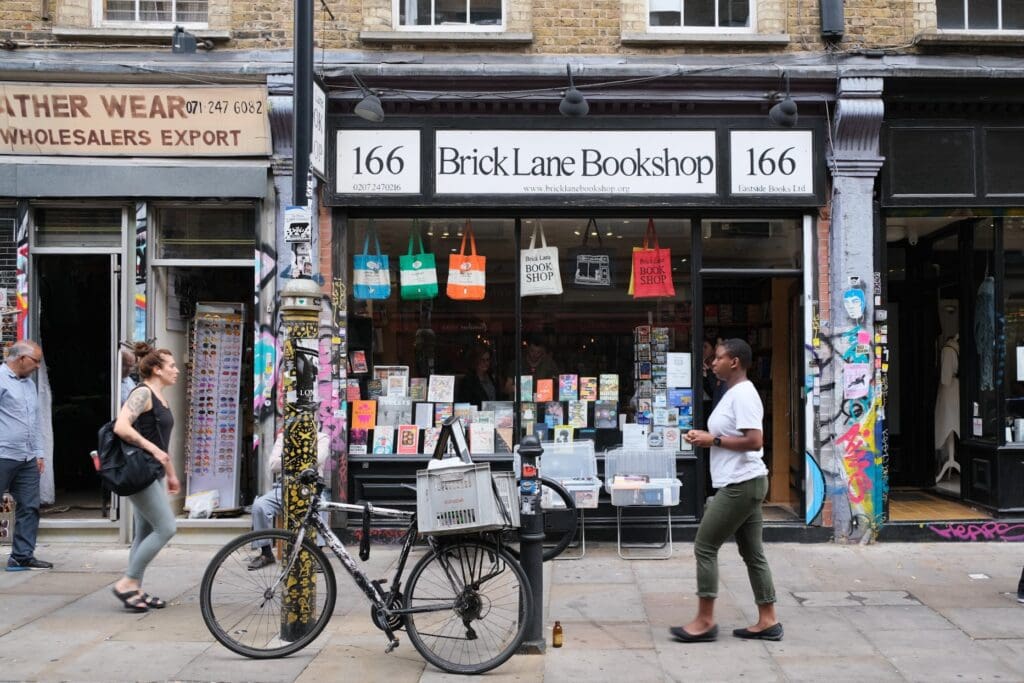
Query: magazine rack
pixel 642 478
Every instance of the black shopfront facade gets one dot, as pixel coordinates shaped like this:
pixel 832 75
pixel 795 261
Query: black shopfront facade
pixel 953 205
pixel 732 199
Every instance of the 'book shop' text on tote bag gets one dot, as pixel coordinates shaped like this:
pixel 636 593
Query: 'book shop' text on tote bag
pixel 467 272
pixel 418 272
pixel 371 276
pixel 652 268
pixel 538 267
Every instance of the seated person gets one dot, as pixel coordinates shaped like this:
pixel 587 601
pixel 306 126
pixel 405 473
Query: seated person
pixel 269 504
pixel 479 385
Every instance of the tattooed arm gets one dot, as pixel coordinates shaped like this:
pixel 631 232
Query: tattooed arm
pixel 139 401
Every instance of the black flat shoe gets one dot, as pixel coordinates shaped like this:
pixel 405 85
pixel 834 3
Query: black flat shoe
pixel 684 636
pixel 132 600
pixel 773 632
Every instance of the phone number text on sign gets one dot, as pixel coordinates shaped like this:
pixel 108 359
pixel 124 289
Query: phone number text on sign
pixel 772 162
pixel 378 162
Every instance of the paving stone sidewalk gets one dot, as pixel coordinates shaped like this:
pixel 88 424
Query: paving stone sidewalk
pixel 887 612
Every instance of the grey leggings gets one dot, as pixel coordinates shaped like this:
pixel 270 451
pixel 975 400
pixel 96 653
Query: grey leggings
pixel 154 526
pixel 735 509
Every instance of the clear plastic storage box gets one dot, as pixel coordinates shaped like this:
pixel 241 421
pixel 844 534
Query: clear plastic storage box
pixel 574 466
pixel 641 477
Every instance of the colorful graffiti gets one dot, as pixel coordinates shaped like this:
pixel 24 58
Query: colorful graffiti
pixel 141 235
pixel 987 531
pixel 814 481
pixel 21 273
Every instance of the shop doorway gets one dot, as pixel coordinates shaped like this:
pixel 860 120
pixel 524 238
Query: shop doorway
pixel 78 335
pixel 766 313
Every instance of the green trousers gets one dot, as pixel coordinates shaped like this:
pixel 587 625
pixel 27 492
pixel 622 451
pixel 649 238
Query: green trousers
pixel 734 510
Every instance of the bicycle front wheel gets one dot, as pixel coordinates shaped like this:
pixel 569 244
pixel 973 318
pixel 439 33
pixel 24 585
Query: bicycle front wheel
pixel 475 601
pixel 243 607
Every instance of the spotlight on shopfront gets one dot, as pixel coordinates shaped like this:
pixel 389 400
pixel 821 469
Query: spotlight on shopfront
pixel 183 42
pixel 369 108
pixel 784 112
pixel 573 103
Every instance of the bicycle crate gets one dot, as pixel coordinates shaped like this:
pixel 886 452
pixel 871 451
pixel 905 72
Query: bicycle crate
pixel 460 499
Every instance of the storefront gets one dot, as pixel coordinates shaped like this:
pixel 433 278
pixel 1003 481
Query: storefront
pixel 138 212
pixel 952 198
pixel 577 345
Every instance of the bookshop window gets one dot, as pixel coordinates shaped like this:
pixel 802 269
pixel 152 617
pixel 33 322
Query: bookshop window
pixel 981 390
pixel 589 354
pixel 1013 306
pixel 751 243
pixel 597 330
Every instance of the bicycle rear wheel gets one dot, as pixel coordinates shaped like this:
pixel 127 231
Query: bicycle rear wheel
pixel 242 607
pixel 481 600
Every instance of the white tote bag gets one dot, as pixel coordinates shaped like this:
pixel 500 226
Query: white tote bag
pixel 538 267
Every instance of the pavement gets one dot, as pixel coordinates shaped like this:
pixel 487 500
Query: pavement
pixel 885 612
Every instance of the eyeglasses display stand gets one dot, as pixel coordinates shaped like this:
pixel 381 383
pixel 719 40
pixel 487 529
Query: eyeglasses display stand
pixel 213 429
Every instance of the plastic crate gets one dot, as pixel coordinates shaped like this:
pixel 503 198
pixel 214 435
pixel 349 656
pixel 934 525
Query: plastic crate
pixel 460 499
pixel 574 466
pixel 655 477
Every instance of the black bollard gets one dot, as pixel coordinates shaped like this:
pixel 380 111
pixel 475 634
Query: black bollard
pixel 531 541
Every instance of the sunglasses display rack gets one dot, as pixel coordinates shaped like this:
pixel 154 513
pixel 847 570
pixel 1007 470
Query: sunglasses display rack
pixel 214 382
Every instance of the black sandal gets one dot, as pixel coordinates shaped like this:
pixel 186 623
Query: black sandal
pixel 152 602
pixel 138 604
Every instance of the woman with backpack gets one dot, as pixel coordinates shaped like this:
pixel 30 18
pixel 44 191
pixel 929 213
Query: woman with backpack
pixel 145 421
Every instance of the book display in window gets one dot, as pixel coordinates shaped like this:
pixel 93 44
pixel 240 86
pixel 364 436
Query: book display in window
pixel 383 439
pixel 408 439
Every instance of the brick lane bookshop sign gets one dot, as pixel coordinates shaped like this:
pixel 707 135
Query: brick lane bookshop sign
pixel 607 162
pixel 106 120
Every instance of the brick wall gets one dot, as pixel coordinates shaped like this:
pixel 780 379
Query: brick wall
pixel 558 26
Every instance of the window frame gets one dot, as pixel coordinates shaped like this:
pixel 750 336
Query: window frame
pixel 999 30
pixel 98 19
pixel 751 26
pixel 450 28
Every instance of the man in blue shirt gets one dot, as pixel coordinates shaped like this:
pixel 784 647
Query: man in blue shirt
pixel 21 450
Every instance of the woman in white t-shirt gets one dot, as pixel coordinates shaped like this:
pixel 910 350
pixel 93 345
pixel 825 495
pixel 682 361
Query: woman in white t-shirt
pixel 735 437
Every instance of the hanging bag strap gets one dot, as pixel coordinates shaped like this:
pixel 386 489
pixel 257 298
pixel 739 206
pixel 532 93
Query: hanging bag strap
pixel 419 237
pixel 586 233
pixel 650 236
pixel 371 230
pixel 538 226
pixel 468 232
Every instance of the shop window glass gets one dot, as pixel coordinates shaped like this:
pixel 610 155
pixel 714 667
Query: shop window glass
pixel 586 331
pixel 731 243
pixel 77 227
pixel 206 233
pixel 1013 307
pixel 983 327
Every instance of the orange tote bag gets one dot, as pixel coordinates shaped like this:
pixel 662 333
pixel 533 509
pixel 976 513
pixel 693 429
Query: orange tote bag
pixel 467 272
pixel 652 268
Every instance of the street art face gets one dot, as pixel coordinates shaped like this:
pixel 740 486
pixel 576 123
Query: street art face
pixel 854 302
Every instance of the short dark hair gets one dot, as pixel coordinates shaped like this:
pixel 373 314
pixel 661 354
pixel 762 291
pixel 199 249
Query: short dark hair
pixel 536 339
pixel 738 349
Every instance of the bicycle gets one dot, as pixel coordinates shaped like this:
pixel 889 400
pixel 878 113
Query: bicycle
pixel 465 605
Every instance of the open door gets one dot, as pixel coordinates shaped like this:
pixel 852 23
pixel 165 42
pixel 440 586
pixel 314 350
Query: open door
pixel 785 471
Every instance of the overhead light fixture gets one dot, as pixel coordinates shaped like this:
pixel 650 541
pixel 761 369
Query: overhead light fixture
pixel 573 103
pixel 369 108
pixel 784 112
pixel 183 42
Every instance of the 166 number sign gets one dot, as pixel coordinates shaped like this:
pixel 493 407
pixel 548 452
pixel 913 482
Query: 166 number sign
pixel 772 162
pixel 378 162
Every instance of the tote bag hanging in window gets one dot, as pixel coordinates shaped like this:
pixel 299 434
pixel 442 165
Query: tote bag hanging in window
pixel 467 272
pixel 418 272
pixel 371 276
pixel 652 268
pixel 538 267
pixel 592 266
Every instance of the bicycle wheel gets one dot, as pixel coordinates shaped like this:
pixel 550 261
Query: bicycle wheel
pixel 482 600
pixel 242 607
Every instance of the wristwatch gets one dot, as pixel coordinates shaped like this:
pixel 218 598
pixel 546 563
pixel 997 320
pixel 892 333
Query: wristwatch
pixel 717 442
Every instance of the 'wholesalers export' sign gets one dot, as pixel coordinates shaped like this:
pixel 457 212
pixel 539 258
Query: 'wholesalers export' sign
pixel 105 120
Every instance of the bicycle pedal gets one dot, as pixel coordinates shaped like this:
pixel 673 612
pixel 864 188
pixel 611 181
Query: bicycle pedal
pixel 391 646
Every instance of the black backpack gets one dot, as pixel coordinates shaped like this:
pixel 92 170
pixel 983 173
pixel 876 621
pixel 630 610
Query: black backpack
pixel 125 469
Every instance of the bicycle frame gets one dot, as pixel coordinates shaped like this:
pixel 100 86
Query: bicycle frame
pixel 380 600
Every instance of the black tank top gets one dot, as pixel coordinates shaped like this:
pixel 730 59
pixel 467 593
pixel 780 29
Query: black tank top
pixel 156 423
